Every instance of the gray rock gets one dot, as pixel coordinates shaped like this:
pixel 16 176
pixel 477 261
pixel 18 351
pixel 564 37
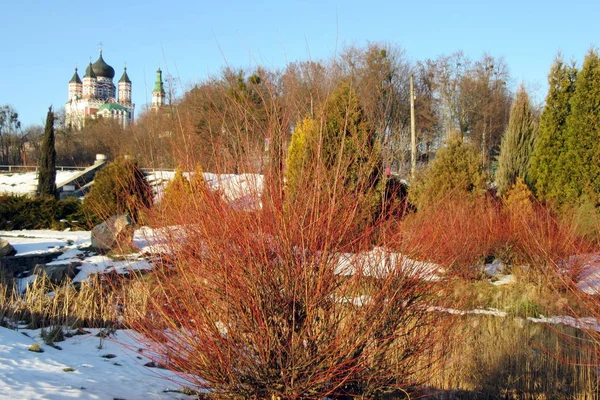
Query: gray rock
pixel 115 231
pixel 493 269
pixel 59 272
pixel 6 248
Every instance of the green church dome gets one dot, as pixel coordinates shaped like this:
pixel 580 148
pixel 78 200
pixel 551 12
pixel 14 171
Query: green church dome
pixel 101 68
pixel 89 72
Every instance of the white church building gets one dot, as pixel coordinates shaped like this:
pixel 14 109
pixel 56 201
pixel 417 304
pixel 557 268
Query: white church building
pixel 96 95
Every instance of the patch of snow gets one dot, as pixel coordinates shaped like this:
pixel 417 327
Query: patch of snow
pixel 101 265
pixel 21 182
pixel 589 278
pixel 504 280
pixel 490 311
pixel 23 283
pixel 380 262
pixel 68 256
pixel 158 241
pixel 72 243
pixel 358 301
pixel 242 191
pixel 585 323
pixel 27 242
pixel 28 375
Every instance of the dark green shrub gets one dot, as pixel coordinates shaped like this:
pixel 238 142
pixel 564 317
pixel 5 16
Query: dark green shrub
pixel 396 198
pixel 21 212
pixel 517 144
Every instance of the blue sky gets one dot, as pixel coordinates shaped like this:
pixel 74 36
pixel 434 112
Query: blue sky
pixel 43 40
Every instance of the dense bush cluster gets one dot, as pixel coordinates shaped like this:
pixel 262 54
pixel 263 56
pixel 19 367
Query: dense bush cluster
pixel 21 212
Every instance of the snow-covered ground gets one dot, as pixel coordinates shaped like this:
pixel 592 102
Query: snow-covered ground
pixel 75 247
pixel 24 182
pixel 241 190
pixel 587 323
pixel 29 375
pixel 47 375
pixel 86 367
pixel 590 273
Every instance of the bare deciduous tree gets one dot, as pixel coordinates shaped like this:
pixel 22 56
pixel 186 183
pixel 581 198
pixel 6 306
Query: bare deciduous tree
pixel 11 139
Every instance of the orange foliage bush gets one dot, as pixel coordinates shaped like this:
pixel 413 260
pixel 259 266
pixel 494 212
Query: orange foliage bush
pixel 294 301
pixel 459 233
pixel 262 304
pixel 456 232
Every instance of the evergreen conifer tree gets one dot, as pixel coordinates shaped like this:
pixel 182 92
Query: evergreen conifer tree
pixel 342 144
pixel 546 171
pixel 348 141
pixel 517 144
pixel 456 168
pixel 120 188
pixel 47 166
pixel 336 154
pixel 298 156
pixel 582 159
pixel 197 182
pixel 179 187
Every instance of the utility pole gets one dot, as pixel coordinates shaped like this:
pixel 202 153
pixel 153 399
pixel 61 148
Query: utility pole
pixel 413 136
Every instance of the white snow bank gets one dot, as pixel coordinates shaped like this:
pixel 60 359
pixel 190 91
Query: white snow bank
pixel 586 323
pixel 241 190
pixel 23 182
pixel 28 242
pixel 75 248
pixel 504 280
pixel 28 375
pixel 380 262
pixel 589 278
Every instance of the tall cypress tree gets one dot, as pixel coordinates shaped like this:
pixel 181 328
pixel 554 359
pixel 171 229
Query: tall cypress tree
pixel 547 171
pixel 582 159
pixel 47 167
pixel 517 143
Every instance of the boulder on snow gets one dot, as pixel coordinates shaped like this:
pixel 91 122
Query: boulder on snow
pixel 494 268
pixel 6 248
pixel 59 272
pixel 115 231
